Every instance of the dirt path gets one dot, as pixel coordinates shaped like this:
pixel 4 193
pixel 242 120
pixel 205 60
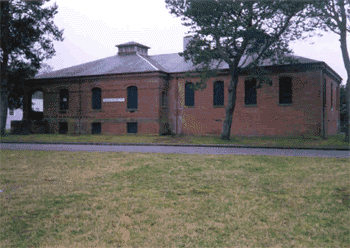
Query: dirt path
pixel 177 149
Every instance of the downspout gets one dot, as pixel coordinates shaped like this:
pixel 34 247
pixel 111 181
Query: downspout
pixel 177 105
pixel 323 88
pixel 321 96
pixel 338 107
pixel 79 111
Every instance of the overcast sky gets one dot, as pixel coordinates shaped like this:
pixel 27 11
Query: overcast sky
pixel 93 28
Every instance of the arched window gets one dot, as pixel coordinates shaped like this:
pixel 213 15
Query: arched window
pixel 250 92
pixel 96 98
pixel 285 90
pixel 218 94
pixel 132 97
pixel 189 94
pixel 64 99
pixel 37 101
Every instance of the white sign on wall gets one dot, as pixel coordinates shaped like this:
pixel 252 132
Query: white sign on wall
pixel 114 100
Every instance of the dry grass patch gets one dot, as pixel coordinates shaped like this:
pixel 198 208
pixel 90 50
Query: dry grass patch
pixel 82 199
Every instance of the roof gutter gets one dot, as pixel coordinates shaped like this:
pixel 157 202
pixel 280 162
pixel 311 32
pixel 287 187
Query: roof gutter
pixel 91 76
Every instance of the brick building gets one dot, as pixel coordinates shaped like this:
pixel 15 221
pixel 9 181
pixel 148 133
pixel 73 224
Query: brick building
pixel 132 92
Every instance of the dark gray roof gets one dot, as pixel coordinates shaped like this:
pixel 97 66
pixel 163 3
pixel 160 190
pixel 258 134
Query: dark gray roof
pixel 110 65
pixel 136 63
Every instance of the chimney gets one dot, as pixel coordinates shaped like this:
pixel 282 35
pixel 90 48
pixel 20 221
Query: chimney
pixel 187 39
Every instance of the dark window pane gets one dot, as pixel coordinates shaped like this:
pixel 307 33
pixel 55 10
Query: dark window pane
pixel 96 128
pixel 96 98
pixel 63 127
pixel 132 127
pixel 189 94
pixel 132 97
pixel 285 90
pixel 331 95
pixel 64 99
pixel 218 94
pixel 250 92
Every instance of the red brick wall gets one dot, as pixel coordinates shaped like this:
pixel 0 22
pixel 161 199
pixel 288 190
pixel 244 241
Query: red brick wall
pixel 268 117
pixel 332 106
pixel 113 115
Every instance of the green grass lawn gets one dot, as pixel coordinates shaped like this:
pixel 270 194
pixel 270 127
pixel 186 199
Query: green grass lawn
pixel 66 199
pixel 334 141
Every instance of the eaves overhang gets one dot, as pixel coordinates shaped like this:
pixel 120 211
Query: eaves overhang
pixel 332 73
pixel 77 78
pixel 298 67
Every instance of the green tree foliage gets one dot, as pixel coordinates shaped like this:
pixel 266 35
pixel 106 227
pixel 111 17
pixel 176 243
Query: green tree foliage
pixel 27 35
pixel 240 34
pixel 45 68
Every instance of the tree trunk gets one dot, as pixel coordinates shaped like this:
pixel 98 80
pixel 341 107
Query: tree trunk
pixel 346 59
pixel 347 111
pixel 3 111
pixel 4 44
pixel 232 96
pixel 3 95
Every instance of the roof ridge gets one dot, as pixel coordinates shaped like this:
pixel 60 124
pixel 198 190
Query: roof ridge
pixel 147 61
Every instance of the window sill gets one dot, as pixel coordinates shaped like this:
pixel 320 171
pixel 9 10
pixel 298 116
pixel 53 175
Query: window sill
pixel 96 110
pixel 218 106
pixel 250 105
pixel 189 106
pixel 132 110
pixel 62 111
pixel 285 104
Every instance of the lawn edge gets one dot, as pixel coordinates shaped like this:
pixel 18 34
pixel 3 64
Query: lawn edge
pixel 181 145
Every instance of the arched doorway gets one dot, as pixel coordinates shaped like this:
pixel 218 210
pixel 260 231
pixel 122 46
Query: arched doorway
pixel 37 106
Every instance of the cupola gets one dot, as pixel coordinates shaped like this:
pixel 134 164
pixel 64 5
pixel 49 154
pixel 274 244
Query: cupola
pixel 132 47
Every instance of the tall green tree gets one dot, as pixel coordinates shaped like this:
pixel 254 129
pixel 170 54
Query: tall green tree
pixel 27 35
pixel 239 33
pixel 334 16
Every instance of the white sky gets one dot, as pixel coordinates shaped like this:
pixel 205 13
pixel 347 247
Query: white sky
pixel 93 28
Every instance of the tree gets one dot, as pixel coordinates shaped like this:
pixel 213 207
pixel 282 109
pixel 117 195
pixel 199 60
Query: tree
pixel 334 15
pixel 44 68
pixel 27 34
pixel 239 33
